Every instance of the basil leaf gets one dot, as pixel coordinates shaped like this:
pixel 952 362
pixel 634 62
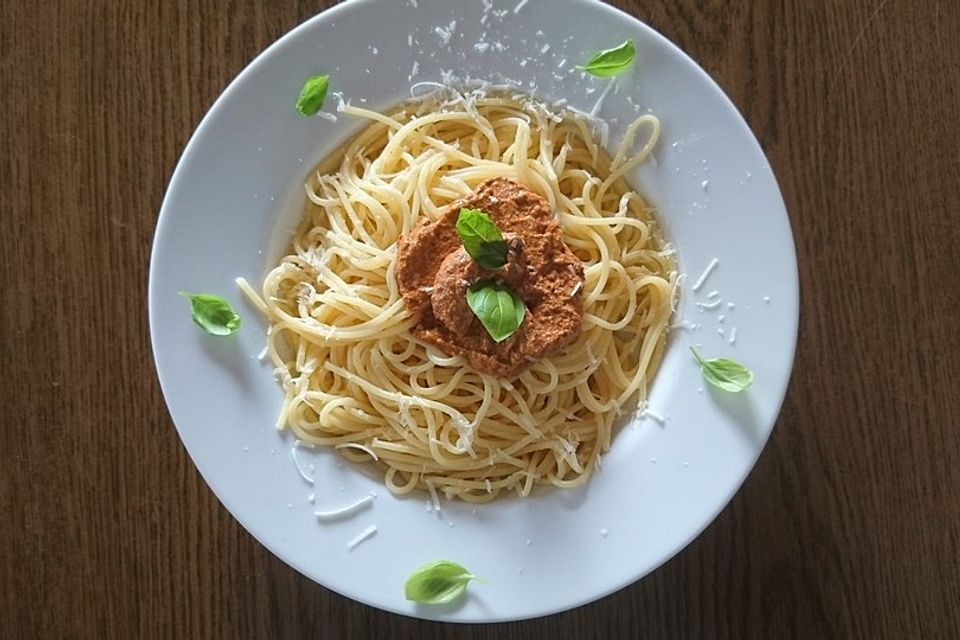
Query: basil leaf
pixel 212 314
pixel 499 309
pixel 610 62
pixel 312 95
pixel 482 239
pixel 724 373
pixel 438 582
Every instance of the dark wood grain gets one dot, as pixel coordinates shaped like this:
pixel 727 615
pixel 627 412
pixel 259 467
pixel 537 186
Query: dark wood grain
pixel 847 528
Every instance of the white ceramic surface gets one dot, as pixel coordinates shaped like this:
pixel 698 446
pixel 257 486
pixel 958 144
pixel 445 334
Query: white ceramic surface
pixel 229 211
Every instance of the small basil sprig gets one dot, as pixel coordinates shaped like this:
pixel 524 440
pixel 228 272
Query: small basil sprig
pixel 482 239
pixel 312 95
pixel 438 582
pixel 610 62
pixel 212 313
pixel 724 373
pixel 499 309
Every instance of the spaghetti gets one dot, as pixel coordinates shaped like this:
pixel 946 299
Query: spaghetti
pixel 353 375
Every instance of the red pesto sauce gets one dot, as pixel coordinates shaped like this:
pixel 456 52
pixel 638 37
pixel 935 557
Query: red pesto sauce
pixel 434 272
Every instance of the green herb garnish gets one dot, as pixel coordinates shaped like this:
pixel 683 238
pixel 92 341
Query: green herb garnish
pixel 610 62
pixel 482 239
pixel 312 95
pixel 499 309
pixel 212 314
pixel 724 373
pixel 438 582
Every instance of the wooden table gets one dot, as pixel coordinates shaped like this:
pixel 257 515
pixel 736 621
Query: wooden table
pixel 849 526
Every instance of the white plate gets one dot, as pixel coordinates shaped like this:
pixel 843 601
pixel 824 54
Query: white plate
pixel 228 212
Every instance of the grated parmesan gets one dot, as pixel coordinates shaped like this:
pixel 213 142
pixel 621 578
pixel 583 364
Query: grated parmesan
pixel 433 498
pixel 357 445
pixel 296 462
pixel 706 272
pixel 363 535
pixel 350 509
pixel 707 306
pixel 603 96
pixel 653 415
pixel 446 33
pixel 685 324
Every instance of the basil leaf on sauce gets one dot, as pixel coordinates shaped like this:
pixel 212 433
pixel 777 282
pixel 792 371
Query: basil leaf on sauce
pixel 610 62
pixel 482 239
pixel 312 95
pixel 212 314
pixel 499 309
pixel 438 582
pixel 724 373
